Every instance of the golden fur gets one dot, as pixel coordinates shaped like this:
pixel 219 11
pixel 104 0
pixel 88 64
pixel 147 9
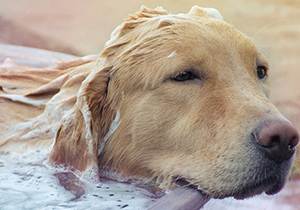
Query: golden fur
pixel 197 129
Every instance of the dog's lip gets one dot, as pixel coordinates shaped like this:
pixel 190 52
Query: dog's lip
pixel 275 188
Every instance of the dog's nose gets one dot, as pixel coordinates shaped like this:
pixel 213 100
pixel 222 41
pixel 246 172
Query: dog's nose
pixel 278 139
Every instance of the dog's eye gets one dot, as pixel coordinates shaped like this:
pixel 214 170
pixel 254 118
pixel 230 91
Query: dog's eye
pixel 184 76
pixel 261 72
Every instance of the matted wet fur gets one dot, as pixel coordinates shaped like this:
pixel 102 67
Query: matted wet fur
pixel 187 96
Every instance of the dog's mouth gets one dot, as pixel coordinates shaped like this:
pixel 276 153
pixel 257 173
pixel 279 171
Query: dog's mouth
pixel 184 182
pixel 270 185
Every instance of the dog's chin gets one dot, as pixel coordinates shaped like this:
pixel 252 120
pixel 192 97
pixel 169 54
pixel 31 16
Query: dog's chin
pixel 270 186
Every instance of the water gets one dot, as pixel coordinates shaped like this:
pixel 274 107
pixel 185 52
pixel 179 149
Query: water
pixel 26 183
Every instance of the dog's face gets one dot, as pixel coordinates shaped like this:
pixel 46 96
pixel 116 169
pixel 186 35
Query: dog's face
pixel 192 94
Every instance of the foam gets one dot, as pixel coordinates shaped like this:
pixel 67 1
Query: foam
pixel 172 54
pixel 213 13
pixel 23 99
pixel 25 183
pixel 113 127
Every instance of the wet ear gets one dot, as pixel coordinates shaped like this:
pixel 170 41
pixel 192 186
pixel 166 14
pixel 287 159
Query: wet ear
pixel 84 127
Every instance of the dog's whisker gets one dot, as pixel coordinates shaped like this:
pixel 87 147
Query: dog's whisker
pixel 267 26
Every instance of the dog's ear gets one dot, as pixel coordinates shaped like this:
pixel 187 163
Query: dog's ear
pixel 84 127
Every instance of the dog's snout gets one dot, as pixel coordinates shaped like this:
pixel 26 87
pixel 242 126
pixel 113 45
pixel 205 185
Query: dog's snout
pixel 278 139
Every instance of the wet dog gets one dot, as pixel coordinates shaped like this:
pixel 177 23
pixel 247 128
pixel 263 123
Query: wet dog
pixel 171 99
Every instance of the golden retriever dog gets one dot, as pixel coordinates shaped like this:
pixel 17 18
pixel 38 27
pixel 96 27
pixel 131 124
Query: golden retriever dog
pixel 171 99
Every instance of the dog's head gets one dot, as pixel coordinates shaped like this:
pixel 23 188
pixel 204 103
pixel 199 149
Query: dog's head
pixel 189 95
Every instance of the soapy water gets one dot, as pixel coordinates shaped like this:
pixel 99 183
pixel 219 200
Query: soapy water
pixel 26 183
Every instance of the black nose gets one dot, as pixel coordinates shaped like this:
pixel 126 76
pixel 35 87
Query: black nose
pixel 278 139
